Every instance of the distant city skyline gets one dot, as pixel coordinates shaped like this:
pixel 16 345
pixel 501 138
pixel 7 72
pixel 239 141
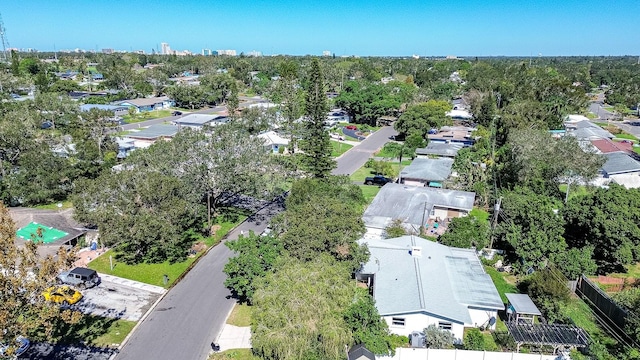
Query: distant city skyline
pixel 389 28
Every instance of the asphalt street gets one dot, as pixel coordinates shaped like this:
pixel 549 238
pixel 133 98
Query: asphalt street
pixel 193 312
pixel 191 315
pixel 603 114
pixel 353 159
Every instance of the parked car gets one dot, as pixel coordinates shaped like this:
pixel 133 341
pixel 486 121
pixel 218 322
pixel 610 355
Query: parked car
pixel 351 127
pixel 377 180
pixel 336 136
pixel 62 294
pixel 176 113
pixel 80 277
pixel 22 345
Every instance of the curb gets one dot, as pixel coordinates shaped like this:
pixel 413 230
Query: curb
pixel 144 317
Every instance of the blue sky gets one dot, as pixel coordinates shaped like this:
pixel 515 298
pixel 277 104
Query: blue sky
pixel 344 27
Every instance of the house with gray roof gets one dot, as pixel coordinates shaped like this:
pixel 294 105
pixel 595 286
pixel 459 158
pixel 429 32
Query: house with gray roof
pixel 147 136
pixel 585 130
pixel 147 104
pixel 117 110
pixel 434 149
pixel 427 172
pixel 620 168
pixel 414 207
pixel 198 121
pixel 417 282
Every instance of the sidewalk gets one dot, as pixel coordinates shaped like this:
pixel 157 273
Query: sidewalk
pixel 134 284
pixel 234 337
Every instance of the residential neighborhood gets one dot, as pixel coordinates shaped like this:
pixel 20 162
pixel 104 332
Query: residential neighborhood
pixel 182 204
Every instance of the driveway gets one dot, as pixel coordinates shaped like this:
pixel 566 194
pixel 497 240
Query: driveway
pixel 116 300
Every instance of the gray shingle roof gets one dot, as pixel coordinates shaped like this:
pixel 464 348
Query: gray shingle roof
pixel 428 169
pixel 440 149
pixel 412 204
pixel 154 132
pixel 443 281
pixel 588 130
pixel 620 163
pixel 144 101
pixel 87 107
pixel 196 119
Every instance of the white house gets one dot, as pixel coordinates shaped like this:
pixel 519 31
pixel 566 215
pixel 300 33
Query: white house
pixel 418 282
pixel 199 121
pixel 273 141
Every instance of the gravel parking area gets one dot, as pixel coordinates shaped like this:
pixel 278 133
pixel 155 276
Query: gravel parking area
pixel 117 301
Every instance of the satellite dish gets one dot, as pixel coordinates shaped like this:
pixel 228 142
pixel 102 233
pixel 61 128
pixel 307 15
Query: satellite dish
pixel 492 321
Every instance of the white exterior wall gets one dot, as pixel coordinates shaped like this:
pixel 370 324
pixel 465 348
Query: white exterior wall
pixel 419 321
pixel 412 182
pixel 439 213
pixel 373 233
pixel 481 317
pixel 454 354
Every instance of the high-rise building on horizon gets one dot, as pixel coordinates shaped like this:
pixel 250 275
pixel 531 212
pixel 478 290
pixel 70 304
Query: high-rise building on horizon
pixel 227 52
pixel 254 53
pixel 206 52
pixel 165 49
pixel 326 53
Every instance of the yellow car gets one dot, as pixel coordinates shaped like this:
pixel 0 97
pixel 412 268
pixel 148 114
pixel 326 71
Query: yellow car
pixel 64 295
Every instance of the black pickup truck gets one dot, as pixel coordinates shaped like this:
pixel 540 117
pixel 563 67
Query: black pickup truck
pixel 377 180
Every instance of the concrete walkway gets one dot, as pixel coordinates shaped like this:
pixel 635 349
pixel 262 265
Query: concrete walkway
pixel 234 337
pixel 131 283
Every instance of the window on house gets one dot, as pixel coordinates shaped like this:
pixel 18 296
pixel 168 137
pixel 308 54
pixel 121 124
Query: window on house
pixel 445 325
pixel 397 321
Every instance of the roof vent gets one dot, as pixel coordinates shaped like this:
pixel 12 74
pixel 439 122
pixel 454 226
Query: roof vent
pixel 416 251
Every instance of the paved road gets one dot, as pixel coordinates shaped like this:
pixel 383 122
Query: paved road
pixel 353 159
pixel 602 114
pixel 191 315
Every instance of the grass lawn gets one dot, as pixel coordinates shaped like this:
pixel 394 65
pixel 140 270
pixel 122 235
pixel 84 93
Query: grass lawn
pixel 363 172
pixel 601 124
pixel 581 315
pixel 235 354
pixel 627 137
pixel 115 334
pixel 147 273
pixel 369 192
pixel 154 273
pixel 503 282
pixel 122 133
pixel 633 272
pixel 480 214
pixel 575 190
pixel 339 148
pixel 240 315
pixel 66 204
pixel 93 330
pixel 146 115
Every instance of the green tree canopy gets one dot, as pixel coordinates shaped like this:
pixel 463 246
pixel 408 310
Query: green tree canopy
pixel 607 220
pixel 298 311
pixel 423 117
pixel 466 232
pixel 255 256
pixel 316 144
pixel 534 235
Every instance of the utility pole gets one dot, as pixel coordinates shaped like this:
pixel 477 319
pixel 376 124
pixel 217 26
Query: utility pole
pixel 494 220
pixel 5 56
